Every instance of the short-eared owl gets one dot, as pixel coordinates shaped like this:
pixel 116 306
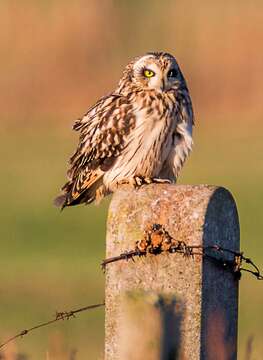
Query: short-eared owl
pixel 138 134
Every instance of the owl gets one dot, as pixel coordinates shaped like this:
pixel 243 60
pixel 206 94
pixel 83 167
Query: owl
pixel 141 133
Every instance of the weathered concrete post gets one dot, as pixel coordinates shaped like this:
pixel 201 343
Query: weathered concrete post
pixel 206 294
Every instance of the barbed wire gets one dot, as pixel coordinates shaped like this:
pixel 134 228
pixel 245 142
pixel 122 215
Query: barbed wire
pixel 64 315
pixel 157 240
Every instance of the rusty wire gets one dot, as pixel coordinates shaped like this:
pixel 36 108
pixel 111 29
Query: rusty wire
pixel 64 315
pixel 157 240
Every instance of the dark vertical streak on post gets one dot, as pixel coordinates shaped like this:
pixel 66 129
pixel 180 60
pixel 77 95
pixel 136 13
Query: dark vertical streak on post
pixel 171 315
pixel 150 326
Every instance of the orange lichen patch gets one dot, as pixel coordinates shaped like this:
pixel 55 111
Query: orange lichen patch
pixel 142 245
pixel 156 239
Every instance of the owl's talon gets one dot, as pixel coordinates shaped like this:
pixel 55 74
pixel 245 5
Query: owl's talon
pixel 161 181
pixel 135 182
pixel 148 180
pixel 138 181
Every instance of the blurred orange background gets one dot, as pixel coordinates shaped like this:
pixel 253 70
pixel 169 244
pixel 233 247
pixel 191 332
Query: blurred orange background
pixel 57 58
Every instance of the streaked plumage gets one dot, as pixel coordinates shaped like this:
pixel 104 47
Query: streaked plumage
pixel 140 133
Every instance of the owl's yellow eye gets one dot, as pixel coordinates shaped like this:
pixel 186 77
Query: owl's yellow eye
pixel 148 73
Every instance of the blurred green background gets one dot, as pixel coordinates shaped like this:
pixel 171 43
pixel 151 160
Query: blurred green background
pixel 57 58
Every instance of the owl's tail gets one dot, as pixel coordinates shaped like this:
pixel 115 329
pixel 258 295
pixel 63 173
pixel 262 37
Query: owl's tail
pixel 89 189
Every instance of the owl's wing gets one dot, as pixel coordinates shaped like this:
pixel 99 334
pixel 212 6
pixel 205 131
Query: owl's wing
pixel 103 130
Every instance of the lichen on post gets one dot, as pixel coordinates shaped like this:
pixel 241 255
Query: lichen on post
pixel 207 294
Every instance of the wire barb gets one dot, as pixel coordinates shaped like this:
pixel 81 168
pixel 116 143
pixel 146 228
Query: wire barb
pixel 64 315
pixel 157 240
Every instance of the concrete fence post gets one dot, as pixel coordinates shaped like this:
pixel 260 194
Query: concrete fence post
pixel 198 299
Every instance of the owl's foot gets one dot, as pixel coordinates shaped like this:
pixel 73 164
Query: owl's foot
pixel 161 181
pixel 134 182
pixel 148 180
pixel 138 181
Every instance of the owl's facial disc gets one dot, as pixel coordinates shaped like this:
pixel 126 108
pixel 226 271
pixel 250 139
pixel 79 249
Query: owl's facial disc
pixel 151 72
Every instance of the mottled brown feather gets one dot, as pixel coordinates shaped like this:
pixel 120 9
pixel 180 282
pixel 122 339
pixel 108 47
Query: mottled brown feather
pixel 102 132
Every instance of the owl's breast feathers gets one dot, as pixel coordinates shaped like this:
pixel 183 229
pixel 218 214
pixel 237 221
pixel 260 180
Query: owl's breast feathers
pixel 127 135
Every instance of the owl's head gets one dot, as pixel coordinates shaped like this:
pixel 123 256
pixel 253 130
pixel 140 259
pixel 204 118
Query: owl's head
pixel 156 70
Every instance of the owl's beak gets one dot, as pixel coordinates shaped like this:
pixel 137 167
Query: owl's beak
pixel 163 84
